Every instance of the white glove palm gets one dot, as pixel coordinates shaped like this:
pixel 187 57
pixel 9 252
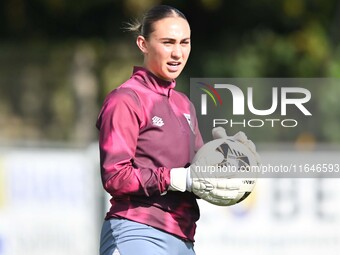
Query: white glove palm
pixel 182 178
pixel 203 181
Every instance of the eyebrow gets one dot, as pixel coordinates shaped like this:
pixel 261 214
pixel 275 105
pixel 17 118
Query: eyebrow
pixel 172 39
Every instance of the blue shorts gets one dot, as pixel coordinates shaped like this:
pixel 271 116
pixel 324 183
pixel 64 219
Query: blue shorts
pixel 125 237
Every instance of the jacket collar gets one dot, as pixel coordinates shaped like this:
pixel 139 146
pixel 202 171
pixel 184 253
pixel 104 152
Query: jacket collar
pixel 153 82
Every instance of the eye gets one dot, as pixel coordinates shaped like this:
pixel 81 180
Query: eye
pixel 185 42
pixel 167 42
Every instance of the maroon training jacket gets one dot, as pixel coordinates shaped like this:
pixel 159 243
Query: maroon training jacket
pixel 145 129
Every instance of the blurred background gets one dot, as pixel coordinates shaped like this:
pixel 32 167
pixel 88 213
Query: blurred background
pixel 59 59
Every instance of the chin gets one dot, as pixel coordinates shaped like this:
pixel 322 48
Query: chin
pixel 171 76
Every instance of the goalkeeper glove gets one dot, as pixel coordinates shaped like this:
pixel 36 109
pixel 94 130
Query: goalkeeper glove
pixel 181 179
pixel 214 188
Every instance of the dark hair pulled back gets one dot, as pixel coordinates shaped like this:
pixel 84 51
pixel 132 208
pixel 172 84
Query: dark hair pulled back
pixel 145 26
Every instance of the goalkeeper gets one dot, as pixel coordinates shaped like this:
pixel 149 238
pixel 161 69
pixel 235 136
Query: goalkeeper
pixel 148 132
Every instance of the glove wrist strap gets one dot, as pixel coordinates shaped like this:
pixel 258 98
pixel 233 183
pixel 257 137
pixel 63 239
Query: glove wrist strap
pixel 179 179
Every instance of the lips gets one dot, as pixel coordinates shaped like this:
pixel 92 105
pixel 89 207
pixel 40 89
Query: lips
pixel 173 63
pixel 173 66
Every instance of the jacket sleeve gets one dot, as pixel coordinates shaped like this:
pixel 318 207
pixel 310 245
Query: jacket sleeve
pixel 119 123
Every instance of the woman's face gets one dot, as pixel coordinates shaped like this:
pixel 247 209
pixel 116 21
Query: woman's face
pixel 167 49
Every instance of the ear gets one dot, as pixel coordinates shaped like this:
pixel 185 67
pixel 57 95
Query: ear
pixel 142 44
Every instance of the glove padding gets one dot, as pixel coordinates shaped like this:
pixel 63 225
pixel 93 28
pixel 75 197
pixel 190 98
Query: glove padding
pixel 219 132
pixel 180 178
pixel 204 177
pixel 216 184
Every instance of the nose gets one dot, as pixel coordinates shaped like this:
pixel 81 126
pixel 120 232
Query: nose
pixel 176 51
